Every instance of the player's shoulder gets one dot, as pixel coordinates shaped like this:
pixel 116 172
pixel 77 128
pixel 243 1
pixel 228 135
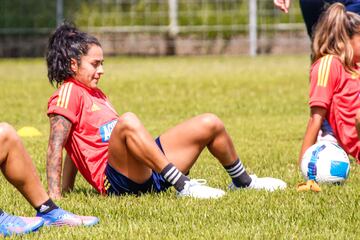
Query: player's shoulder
pixel 327 64
pixel 325 70
pixel 68 89
pixel 327 61
pixel 69 86
pixel 68 92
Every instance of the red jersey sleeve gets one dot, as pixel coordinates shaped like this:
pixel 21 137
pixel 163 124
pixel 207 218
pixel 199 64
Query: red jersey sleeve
pixel 66 101
pixel 324 78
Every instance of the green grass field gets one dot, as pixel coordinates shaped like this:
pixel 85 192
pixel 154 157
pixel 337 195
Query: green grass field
pixel 263 102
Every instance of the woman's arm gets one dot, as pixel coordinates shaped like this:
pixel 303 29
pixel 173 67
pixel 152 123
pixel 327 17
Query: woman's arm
pixel 357 123
pixel 59 132
pixel 69 175
pixel 317 116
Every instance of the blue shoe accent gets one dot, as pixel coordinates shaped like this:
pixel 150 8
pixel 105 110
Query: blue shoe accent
pixel 10 224
pixel 60 217
pixel 4 231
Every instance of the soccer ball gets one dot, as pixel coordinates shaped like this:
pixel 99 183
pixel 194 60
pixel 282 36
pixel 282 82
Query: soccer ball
pixel 325 162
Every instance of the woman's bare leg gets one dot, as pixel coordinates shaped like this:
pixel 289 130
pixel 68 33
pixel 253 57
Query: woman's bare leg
pixel 18 167
pixel 184 142
pixel 134 153
pixel 132 150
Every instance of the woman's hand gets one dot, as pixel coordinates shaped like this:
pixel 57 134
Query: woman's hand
pixel 283 5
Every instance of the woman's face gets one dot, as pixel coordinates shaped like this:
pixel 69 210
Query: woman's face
pixel 355 43
pixel 91 67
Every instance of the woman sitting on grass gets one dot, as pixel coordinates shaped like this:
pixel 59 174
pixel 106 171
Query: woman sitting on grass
pixel 116 154
pixel 17 167
pixel 335 80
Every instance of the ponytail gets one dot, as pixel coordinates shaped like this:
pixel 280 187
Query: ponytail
pixel 332 36
pixel 66 43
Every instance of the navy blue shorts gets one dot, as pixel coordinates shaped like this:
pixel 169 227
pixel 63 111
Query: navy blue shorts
pixel 116 183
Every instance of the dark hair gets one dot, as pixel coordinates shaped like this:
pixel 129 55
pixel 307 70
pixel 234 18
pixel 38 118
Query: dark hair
pixel 65 43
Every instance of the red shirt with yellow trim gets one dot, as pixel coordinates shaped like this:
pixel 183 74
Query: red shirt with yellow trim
pixel 338 91
pixel 93 119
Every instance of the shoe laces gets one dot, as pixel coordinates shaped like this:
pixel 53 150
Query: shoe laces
pixel 195 182
pixel 10 220
pixel 62 214
pixel 65 216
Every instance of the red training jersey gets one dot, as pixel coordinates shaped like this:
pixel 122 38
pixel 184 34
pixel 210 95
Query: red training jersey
pixel 337 91
pixel 93 119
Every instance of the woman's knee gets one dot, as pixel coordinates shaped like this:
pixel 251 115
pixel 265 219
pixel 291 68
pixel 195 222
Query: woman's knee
pixel 129 121
pixel 211 123
pixel 7 133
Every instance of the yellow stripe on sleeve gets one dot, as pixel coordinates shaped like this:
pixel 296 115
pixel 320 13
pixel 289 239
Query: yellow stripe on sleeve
pixel 320 70
pixel 59 97
pixel 327 72
pixel 64 95
pixel 68 95
pixel 324 70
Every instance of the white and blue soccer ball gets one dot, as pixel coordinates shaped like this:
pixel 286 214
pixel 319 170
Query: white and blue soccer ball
pixel 325 162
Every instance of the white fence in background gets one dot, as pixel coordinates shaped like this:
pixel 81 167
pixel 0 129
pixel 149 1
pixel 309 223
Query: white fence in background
pixel 170 26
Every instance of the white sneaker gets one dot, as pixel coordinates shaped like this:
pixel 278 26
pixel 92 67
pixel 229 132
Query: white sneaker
pixel 265 183
pixel 197 188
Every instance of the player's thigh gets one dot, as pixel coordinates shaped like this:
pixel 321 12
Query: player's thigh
pixel 123 161
pixel 14 159
pixel 183 143
pixel 11 145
